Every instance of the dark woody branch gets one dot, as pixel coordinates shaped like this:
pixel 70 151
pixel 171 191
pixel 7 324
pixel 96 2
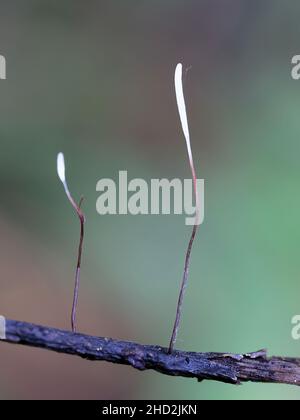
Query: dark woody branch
pixel 222 367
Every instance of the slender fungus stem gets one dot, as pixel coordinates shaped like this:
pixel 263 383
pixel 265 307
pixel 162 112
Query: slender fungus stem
pixel 77 207
pixel 77 275
pixel 185 128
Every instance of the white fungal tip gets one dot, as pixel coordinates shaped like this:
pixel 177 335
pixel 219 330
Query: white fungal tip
pixel 61 167
pixel 179 69
pixel 182 108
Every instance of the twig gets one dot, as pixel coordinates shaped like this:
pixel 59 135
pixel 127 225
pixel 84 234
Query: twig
pixel 222 367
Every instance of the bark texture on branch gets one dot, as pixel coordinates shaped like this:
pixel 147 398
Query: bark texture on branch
pixel 228 368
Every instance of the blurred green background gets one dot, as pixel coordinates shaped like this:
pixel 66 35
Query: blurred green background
pixel 95 80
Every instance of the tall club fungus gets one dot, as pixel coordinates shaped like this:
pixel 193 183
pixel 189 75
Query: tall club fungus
pixel 77 207
pixel 185 128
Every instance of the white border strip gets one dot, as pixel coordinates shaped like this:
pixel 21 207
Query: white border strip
pixel 2 328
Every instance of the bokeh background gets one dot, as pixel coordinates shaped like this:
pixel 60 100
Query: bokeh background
pixel 95 80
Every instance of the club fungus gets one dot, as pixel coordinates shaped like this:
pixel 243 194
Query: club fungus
pixel 77 207
pixel 185 128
